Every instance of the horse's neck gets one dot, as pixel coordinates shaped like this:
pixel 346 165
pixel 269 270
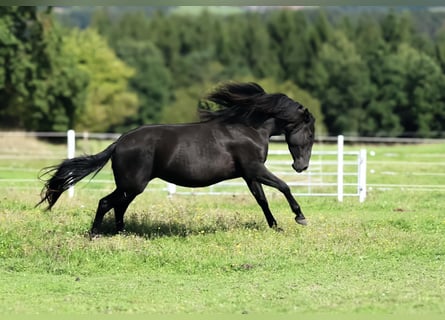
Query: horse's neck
pixel 271 127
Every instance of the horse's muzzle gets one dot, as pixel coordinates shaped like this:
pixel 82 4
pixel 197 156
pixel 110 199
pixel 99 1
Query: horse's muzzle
pixel 298 168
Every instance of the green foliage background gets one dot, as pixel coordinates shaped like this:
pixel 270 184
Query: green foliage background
pixel 374 72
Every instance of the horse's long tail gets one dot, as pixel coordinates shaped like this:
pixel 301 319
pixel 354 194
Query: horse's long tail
pixel 69 172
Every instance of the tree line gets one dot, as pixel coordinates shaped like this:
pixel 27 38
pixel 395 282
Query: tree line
pixel 362 74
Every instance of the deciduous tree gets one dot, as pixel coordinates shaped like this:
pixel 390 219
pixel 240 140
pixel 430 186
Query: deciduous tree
pixel 108 99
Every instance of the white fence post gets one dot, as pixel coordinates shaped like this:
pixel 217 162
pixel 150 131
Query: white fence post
pixel 71 141
pixel 171 189
pixel 340 145
pixel 362 175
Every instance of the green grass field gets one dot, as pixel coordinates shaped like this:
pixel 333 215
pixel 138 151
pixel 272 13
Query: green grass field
pixel 216 255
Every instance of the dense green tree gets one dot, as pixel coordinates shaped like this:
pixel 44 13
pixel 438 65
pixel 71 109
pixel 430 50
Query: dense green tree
pixel 230 48
pixel 423 86
pixel 40 84
pixel 289 41
pixel 102 21
pixel 344 87
pixel 440 48
pixel 409 98
pixel 195 33
pixel 132 25
pixel 368 38
pixel 388 75
pixel 184 108
pixel 109 101
pixel 259 57
pixel 321 31
pixel 61 92
pixel 318 34
pixel 397 29
pixel 164 32
pixel 151 81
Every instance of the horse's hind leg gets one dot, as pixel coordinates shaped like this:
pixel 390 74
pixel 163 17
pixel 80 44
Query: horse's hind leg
pixel 105 205
pixel 120 208
pixel 257 190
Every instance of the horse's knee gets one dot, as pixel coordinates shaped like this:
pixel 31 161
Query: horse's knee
pixel 104 205
pixel 284 188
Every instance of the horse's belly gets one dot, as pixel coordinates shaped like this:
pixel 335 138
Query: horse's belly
pixel 198 175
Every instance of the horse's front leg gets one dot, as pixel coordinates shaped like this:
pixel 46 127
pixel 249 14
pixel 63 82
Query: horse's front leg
pixel 266 177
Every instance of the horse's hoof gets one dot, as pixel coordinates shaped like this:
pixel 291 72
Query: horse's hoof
pixel 301 221
pixel 93 234
pixel 277 228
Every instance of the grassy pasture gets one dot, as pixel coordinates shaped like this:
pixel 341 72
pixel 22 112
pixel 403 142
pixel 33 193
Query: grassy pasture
pixel 207 254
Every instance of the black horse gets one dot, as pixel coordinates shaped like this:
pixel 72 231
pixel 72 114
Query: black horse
pixel 229 142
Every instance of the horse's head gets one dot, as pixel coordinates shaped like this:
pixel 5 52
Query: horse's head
pixel 300 138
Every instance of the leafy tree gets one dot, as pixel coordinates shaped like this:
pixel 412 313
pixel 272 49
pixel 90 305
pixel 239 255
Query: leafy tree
pixel 195 33
pixel 423 87
pixel 230 47
pixel 193 68
pixel 184 108
pixel 243 47
pixel 108 101
pixel 21 39
pixel 102 21
pixel 151 82
pixel 344 87
pixel 440 48
pixel 164 32
pixel 289 43
pixel 409 99
pixel 318 34
pixel 40 85
pixel 61 93
pixel 397 29
pixel 439 109
pixel 321 31
pixel 368 38
pixel 259 57
pixel 132 25
pixel 388 75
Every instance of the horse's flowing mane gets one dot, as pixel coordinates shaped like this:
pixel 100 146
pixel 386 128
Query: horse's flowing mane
pixel 246 103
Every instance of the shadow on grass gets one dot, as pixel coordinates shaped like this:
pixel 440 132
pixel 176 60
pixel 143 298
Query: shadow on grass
pixel 156 228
